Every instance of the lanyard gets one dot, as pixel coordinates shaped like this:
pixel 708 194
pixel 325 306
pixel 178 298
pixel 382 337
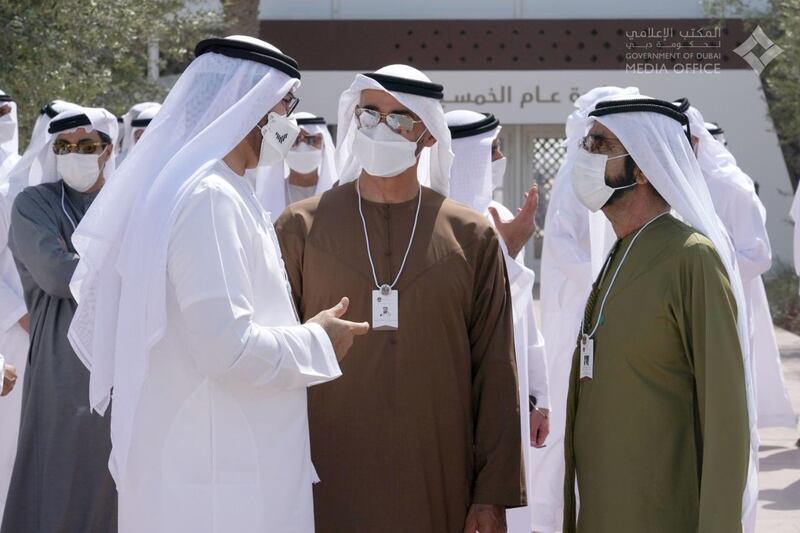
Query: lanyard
pixel 64 208
pixel 614 277
pixel 386 288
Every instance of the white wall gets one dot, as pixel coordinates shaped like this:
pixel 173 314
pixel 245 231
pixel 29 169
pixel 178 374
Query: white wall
pixel 733 98
pixel 483 9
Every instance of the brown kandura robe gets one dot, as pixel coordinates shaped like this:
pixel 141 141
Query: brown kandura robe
pixel 424 420
pixel 659 437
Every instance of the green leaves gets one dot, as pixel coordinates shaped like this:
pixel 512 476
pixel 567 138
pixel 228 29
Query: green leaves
pixel 780 19
pixel 93 52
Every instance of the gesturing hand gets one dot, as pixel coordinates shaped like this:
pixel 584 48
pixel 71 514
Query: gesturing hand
pixel 340 332
pixel 517 231
pixel 9 379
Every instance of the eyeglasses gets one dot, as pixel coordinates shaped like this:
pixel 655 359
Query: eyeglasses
pixel 397 122
pixel 290 102
pixel 314 141
pixel 597 144
pixel 84 146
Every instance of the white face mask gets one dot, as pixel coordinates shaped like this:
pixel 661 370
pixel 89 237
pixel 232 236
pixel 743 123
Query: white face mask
pixel 7 128
pixel 304 159
pixel 589 179
pixel 79 171
pixel 383 152
pixel 498 172
pixel 277 138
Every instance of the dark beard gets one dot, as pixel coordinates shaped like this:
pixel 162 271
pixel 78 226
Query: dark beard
pixel 627 178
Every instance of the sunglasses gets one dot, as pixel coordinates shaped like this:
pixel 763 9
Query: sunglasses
pixel 397 122
pixel 84 147
pixel 597 144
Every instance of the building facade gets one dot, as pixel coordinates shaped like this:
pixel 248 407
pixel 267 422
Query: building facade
pixel 526 61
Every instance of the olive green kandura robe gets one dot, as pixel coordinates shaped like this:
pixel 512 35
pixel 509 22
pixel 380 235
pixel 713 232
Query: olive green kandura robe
pixel 424 420
pixel 658 440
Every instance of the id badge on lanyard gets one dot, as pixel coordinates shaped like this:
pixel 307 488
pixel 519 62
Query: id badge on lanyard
pixel 587 358
pixel 385 309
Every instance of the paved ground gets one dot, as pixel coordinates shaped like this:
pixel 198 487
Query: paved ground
pixel 779 500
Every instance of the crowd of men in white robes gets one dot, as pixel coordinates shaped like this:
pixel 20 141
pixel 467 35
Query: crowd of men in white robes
pixel 155 357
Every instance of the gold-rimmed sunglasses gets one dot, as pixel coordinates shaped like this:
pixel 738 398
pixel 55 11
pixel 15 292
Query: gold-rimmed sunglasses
pixel 84 147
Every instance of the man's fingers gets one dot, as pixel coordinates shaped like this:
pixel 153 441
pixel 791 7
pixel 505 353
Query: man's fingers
pixel 531 199
pixel 543 433
pixel 358 328
pixel 341 308
pixel 495 216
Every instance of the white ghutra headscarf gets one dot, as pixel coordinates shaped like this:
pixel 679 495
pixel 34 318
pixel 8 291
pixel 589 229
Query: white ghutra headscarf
pixel 121 280
pixel 9 149
pixel 471 174
pixel 415 91
pixel 29 170
pixel 38 164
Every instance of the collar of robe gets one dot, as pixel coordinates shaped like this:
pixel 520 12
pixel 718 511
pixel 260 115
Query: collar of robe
pixel 408 86
pixel 646 105
pixel 250 51
pixel 311 121
pixel 69 123
pixel 487 124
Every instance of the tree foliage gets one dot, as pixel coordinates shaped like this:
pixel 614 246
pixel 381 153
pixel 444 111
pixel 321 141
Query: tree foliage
pixel 781 78
pixel 93 52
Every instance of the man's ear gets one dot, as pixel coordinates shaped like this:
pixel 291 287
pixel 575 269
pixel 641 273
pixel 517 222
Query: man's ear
pixel 428 140
pixel 639 176
pixel 106 154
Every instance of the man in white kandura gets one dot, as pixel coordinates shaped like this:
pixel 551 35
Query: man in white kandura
pixel 478 166
pixel 737 204
pixel 13 315
pixel 185 310
pixel 128 132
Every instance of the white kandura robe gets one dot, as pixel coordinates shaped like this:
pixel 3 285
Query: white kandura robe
pixel 794 213
pixel 531 363
pixel 744 216
pixel 14 349
pixel 220 438
pixel 7 163
pixel 566 279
